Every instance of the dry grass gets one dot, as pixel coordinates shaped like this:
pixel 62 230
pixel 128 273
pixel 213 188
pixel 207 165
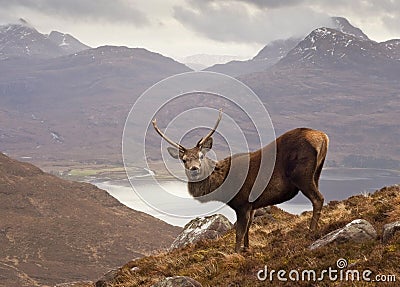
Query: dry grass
pixel 282 243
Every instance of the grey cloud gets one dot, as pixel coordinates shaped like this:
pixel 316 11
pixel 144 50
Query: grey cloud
pixel 363 5
pixel 385 11
pixel 101 10
pixel 225 22
pixel 258 3
pixel 392 23
pixel 261 21
pixel 272 3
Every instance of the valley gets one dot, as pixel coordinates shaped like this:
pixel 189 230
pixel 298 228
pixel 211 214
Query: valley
pixel 63 108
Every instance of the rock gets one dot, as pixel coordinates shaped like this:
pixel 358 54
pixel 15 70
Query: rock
pixel 262 214
pixel 209 227
pixel 135 269
pixel 107 278
pixel 178 281
pixel 357 231
pixel 389 230
pixel 262 211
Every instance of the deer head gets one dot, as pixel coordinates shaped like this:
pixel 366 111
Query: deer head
pixel 197 165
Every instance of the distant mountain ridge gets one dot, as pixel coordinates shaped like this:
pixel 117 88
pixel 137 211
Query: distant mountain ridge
pixel 74 107
pixel 202 61
pixel 392 48
pixel 265 58
pixel 330 47
pixel 82 97
pixel 22 40
pixel 276 50
pixel 66 42
pixel 342 83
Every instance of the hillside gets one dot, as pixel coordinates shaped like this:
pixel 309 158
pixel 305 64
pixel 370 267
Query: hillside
pixel 75 106
pixel 52 230
pixel 360 114
pixel 280 241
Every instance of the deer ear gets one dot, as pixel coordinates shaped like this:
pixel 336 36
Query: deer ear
pixel 207 145
pixel 174 152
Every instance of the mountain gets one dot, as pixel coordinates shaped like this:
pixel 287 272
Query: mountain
pixel 340 81
pixel 325 47
pixel 22 40
pixel 74 107
pixel 392 48
pixel 53 231
pixel 266 57
pixel 274 51
pixel 201 61
pixel 71 110
pixel 342 84
pixel 67 43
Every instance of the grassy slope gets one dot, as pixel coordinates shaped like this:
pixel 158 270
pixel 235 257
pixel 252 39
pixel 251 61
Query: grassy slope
pixel 282 242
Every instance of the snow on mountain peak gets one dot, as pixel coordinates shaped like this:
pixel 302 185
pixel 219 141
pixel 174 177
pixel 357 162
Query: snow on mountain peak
pixel 320 33
pixel 21 39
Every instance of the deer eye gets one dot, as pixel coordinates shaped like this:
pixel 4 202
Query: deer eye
pixel 201 155
pixel 184 160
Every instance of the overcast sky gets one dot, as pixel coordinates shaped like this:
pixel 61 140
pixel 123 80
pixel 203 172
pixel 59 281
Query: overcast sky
pixel 178 28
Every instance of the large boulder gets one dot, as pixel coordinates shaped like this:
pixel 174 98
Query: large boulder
pixel 209 227
pixel 108 279
pixel 389 230
pixel 356 231
pixel 178 281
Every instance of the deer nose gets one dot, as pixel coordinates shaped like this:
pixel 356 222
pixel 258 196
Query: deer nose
pixel 194 168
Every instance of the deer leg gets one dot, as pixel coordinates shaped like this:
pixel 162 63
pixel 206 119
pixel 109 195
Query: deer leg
pixel 246 235
pixel 243 218
pixel 317 200
pixel 306 178
pixel 317 173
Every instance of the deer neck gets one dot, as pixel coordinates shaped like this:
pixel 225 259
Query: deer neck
pixel 213 181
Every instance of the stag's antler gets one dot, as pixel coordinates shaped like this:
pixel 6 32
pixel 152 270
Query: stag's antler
pixel 204 139
pixel 178 146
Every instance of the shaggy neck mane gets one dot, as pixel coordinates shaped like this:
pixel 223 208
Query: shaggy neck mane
pixel 213 181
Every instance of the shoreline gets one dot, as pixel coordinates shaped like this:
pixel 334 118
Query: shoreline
pixel 335 184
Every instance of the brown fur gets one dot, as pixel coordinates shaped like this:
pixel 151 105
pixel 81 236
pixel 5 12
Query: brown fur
pixel 300 155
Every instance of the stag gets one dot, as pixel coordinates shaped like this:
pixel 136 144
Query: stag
pixel 299 156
